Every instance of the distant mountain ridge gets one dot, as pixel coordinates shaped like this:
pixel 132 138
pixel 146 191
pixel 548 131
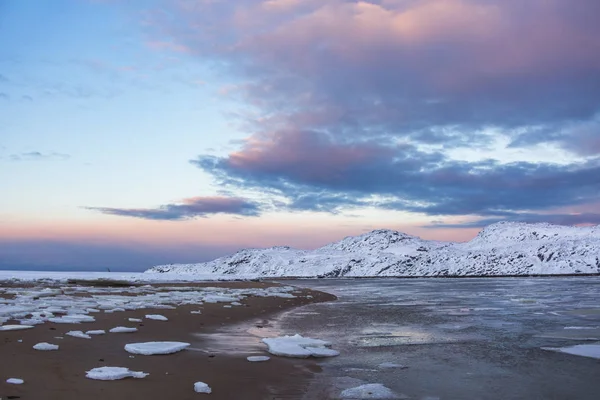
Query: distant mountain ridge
pixel 504 248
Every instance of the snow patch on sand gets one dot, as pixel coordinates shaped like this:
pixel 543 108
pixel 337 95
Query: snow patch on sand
pixel 155 348
pixel 157 317
pixel 15 327
pixel 46 346
pixel 96 332
pixel 122 329
pixel 78 334
pixel 113 373
pixel 258 358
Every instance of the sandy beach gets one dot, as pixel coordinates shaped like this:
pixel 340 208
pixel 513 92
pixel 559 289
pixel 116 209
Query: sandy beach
pixel 54 375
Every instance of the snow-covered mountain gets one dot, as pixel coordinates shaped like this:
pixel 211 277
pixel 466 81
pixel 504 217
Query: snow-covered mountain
pixel 505 248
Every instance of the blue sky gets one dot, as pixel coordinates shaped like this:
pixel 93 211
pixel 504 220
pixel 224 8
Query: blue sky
pixel 142 132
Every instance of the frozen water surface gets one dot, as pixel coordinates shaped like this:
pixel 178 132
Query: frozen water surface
pixel 476 338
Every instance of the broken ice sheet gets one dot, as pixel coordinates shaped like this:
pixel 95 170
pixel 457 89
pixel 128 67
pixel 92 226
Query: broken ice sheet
pixel 299 347
pixel 584 350
pixel 370 391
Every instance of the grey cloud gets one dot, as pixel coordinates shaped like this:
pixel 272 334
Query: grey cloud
pixel 190 208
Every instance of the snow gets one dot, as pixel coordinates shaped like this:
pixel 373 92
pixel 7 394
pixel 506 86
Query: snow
pixel 258 358
pixel 369 391
pixel 45 346
pixel 201 387
pixel 113 373
pixel 154 348
pixel 96 332
pixel 134 319
pixel 72 319
pixel 15 381
pixel 196 312
pixel 299 347
pixel 584 350
pixel 15 327
pixel 78 334
pixel 392 365
pixel 72 304
pixel 580 327
pixel 122 329
pixel 506 248
pixel 157 317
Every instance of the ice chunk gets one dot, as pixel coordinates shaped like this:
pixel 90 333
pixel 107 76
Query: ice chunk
pixel 72 319
pixel 45 346
pixel 15 327
pixel 122 329
pixel 113 373
pixel 391 365
pixel 201 387
pixel 584 350
pixel 196 312
pixel 96 332
pixel 298 346
pixel 15 381
pixel 78 334
pixel 157 317
pixel 152 348
pixel 369 391
pixel 580 327
pixel 258 358
pixel 134 319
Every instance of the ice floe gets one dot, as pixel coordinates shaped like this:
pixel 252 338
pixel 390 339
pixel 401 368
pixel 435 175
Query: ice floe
pixel 201 387
pixel 299 347
pixel 155 348
pixel 113 373
pixel 258 358
pixel 45 346
pixel 122 329
pixel 584 350
pixel 369 391
pixel 15 327
pixel 78 334
pixel 134 319
pixel 157 317
pixel 15 381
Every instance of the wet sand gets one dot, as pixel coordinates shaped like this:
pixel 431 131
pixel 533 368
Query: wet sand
pixel 60 375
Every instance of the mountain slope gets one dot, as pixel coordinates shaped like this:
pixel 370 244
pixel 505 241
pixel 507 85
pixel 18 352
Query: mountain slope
pixel 505 248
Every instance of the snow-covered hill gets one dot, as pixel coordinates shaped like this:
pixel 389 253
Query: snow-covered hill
pixel 505 248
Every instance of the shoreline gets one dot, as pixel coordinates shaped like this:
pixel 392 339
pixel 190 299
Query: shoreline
pixel 55 375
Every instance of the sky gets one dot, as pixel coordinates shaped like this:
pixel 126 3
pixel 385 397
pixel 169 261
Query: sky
pixel 144 132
